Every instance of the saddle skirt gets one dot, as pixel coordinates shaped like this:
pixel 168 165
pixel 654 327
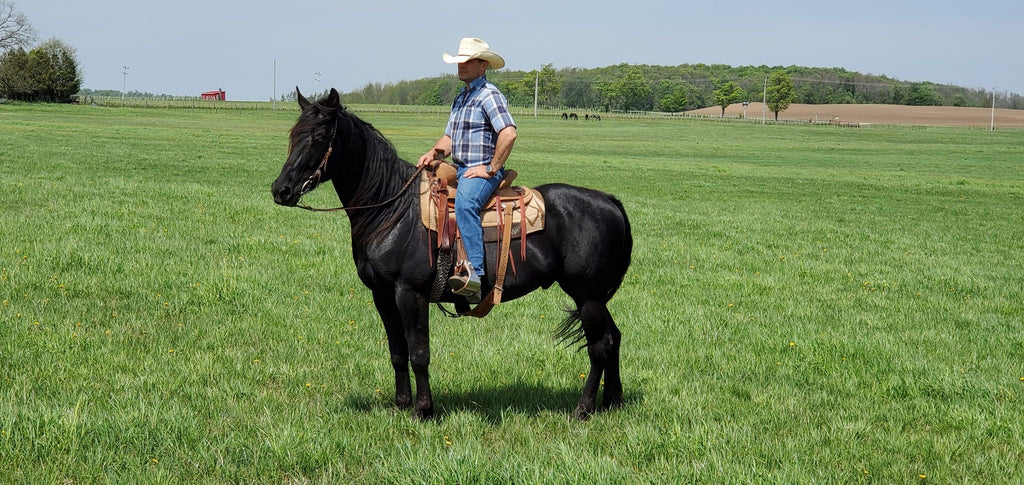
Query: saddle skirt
pixel 526 206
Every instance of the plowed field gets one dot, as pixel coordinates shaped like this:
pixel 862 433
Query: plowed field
pixel 881 113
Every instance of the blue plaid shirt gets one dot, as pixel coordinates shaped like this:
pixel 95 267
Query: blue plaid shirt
pixel 478 114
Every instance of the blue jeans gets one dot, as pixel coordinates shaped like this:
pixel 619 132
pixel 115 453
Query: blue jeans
pixel 470 197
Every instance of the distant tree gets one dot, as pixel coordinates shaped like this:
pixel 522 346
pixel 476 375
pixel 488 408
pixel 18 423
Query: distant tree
pixel 548 84
pixel 921 94
pixel 15 81
pixel 727 94
pixel 57 68
pixel 628 92
pixel 671 96
pixel 780 92
pixel 15 30
pixel 960 100
pixel 47 73
pixel 578 92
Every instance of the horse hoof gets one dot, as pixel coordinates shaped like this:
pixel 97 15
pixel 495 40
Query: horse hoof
pixel 423 414
pixel 582 413
pixel 611 403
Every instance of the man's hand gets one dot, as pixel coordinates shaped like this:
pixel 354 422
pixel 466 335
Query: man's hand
pixel 477 171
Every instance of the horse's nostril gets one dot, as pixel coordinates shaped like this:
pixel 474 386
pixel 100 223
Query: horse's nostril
pixel 284 192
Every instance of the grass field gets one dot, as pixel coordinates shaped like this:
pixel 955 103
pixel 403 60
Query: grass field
pixel 805 304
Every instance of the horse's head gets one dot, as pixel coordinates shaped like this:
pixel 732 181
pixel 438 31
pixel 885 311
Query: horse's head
pixel 310 145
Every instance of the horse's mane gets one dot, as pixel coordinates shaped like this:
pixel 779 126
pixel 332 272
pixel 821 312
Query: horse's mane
pixel 384 174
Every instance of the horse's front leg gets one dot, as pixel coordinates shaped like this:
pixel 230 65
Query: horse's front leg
pixel 414 310
pixel 398 347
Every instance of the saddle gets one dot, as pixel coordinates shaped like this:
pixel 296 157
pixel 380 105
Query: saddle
pixel 511 213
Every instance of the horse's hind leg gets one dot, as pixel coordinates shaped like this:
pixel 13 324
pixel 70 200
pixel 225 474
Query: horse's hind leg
pixel 612 382
pixel 603 349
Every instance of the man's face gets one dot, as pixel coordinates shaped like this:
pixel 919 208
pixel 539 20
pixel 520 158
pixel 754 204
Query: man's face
pixel 472 69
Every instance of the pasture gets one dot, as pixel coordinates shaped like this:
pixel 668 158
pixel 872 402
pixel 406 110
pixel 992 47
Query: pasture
pixel 805 304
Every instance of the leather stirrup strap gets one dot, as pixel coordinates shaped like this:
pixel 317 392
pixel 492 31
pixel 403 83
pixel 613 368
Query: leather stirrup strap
pixel 494 297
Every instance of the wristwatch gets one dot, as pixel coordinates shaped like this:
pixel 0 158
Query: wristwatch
pixel 490 171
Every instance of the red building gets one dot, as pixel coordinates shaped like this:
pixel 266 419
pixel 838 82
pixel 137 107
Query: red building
pixel 219 95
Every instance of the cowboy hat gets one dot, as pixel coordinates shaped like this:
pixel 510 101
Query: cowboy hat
pixel 473 48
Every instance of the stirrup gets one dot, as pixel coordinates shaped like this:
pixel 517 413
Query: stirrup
pixel 467 284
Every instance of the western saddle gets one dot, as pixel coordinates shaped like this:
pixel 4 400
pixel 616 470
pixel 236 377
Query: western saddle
pixel 512 212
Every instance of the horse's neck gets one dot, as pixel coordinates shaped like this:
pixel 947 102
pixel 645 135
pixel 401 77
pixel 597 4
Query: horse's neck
pixel 370 172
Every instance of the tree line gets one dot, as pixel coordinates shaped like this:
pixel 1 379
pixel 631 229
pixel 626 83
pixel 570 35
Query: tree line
pixel 685 87
pixel 47 72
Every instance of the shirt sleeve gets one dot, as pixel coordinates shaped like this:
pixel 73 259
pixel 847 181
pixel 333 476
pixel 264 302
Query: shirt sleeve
pixel 496 108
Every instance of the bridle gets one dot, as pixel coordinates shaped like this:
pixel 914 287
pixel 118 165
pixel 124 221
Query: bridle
pixel 314 180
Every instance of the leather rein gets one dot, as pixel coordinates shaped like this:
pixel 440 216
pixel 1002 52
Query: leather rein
pixel 314 179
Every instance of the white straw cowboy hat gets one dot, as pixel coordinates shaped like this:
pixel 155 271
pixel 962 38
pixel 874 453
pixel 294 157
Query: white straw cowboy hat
pixel 473 48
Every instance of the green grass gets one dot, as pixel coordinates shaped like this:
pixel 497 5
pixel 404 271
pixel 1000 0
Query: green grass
pixel 805 304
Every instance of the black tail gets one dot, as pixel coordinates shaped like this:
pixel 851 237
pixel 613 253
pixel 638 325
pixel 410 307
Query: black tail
pixel 570 331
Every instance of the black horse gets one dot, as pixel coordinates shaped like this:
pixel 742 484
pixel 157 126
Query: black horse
pixel 585 247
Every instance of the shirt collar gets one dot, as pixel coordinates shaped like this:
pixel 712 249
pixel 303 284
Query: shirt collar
pixel 476 83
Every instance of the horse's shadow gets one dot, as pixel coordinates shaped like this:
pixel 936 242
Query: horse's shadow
pixel 494 404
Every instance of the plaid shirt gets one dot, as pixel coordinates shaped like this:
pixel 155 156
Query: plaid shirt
pixel 478 114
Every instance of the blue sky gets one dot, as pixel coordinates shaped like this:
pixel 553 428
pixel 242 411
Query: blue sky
pixel 184 47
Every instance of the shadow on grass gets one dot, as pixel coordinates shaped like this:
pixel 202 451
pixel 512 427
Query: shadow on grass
pixel 495 404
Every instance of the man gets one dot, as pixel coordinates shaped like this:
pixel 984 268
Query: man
pixel 479 137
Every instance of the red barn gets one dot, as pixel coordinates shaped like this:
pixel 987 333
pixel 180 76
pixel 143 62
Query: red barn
pixel 219 95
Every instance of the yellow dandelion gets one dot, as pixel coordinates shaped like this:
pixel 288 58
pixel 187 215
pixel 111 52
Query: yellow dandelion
pixel 447 441
pixel 792 344
pixel 451 354
pixel 309 384
pixel 730 305
pixel 922 477
pixel 378 390
pixel 255 361
pixel 582 375
pixel 170 351
pixel 154 460
pixel 107 332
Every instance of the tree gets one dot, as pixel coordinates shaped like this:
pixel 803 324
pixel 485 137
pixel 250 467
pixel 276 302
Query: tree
pixel 58 65
pixel 628 92
pixel 548 83
pixel 671 96
pixel 780 92
pixel 727 94
pixel 15 30
pixel 921 94
pixel 47 73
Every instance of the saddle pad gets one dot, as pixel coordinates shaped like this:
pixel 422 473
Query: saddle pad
pixel 534 213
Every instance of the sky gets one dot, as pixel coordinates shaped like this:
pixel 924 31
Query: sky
pixel 185 47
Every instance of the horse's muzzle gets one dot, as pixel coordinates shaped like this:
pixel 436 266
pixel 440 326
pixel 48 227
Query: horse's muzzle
pixel 284 195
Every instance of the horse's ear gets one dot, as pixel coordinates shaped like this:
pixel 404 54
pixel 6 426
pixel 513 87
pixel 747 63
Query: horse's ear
pixel 333 99
pixel 303 102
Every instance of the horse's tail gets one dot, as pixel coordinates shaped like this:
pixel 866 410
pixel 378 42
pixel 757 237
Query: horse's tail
pixel 570 331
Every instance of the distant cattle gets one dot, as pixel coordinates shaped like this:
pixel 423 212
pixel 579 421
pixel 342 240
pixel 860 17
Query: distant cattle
pixel 574 116
pixel 565 116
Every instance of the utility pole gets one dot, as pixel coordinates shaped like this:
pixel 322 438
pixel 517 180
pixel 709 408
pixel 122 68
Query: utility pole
pixel 124 82
pixel 274 99
pixel 992 126
pixel 764 100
